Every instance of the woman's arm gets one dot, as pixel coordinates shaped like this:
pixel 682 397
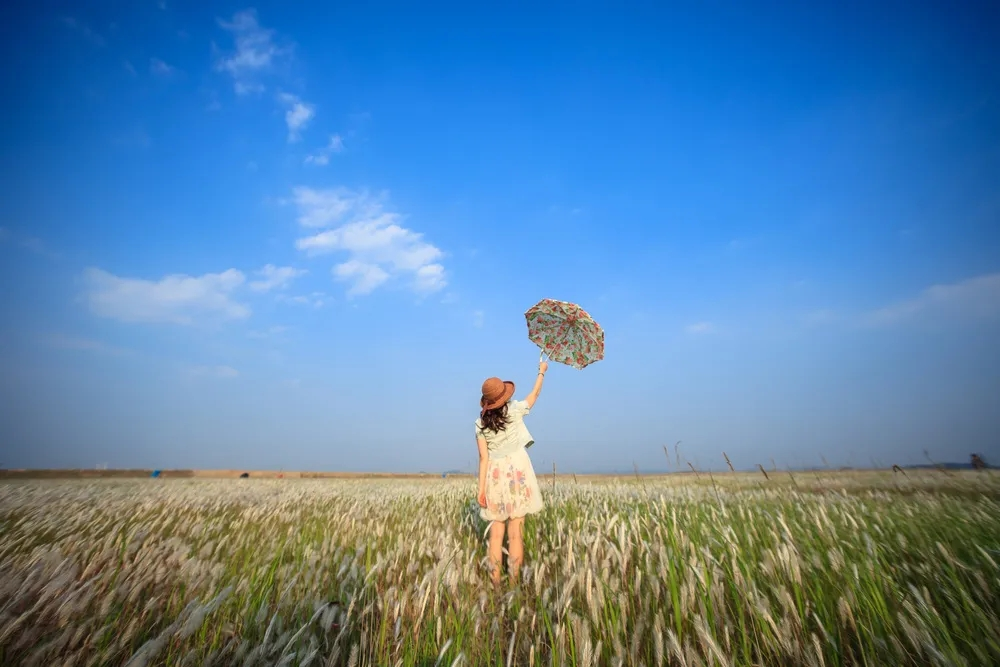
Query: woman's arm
pixel 483 463
pixel 533 396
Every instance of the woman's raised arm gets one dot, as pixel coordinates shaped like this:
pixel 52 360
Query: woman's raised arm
pixel 533 396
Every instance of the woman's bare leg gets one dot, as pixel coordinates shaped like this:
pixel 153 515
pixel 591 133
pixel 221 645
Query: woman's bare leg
pixel 496 550
pixel 515 546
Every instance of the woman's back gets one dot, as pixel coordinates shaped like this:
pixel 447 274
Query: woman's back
pixel 513 437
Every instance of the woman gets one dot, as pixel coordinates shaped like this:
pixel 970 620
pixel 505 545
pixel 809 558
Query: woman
pixel 508 489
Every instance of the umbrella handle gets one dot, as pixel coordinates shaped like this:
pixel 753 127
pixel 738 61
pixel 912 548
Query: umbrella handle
pixel 541 357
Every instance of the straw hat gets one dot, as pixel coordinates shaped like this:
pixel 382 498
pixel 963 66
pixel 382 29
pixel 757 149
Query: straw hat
pixel 496 392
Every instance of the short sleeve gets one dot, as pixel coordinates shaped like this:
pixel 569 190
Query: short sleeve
pixel 521 408
pixel 479 430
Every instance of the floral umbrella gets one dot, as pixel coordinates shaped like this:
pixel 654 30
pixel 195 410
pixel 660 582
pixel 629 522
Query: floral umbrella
pixel 565 332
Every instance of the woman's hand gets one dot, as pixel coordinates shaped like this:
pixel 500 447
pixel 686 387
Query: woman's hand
pixel 481 498
pixel 543 367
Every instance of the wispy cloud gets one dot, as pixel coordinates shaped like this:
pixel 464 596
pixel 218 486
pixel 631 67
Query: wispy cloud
pixel 160 68
pixel 134 138
pixel 270 332
pixel 64 342
pixel 314 299
pixel 322 156
pixel 559 209
pixel 83 29
pixel 363 276
pixel 255 53
pixel 973 298
pixel 321 208
pixel 130 69
pixel 216 372
pixel 700 328
pixel 297 115
pixel 275 277
pixel 32 243
pixel 821 317
pixel 378 247
pixel 478 318
pixel 174 299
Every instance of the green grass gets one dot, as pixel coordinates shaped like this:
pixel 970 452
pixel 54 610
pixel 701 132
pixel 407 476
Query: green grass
pixel 825 568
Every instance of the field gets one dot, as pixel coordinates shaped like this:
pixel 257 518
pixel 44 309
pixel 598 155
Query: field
pixel 812 569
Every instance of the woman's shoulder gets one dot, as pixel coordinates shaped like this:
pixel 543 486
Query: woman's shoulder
pixel 517 408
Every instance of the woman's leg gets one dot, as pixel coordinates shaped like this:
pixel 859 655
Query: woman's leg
pixel 515 546
pixel 496 550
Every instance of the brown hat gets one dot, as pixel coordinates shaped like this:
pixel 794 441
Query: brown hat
pixel 496 392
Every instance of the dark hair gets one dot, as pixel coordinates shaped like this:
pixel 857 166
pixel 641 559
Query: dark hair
pixel 495 419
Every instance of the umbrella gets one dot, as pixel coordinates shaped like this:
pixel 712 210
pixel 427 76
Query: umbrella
pixel 565 332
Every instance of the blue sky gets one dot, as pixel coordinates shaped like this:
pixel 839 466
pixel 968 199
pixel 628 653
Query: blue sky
pixel 272 237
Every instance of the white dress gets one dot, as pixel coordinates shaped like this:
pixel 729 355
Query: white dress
pixel 512 490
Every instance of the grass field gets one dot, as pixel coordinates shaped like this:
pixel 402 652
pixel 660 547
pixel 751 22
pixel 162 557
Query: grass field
pixel 815 568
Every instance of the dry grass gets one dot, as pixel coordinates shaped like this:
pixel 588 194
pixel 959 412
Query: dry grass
pixel 731 569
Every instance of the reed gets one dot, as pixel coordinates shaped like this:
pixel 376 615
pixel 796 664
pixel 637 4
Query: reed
pixel 843 568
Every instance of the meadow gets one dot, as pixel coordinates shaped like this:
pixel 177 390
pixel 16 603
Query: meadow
pixel 807 569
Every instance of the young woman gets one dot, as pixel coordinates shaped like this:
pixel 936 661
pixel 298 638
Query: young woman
pixel 508 489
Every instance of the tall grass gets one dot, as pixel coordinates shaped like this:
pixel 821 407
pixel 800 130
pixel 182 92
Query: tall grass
pixel 733 570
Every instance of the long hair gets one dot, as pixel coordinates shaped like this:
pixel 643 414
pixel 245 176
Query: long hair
pixel 495 419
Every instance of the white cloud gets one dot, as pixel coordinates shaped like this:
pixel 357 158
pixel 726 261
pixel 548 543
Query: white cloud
pixel 275 277
pixel 256 52
pixel 477 318
pixel 160 68
pixel 975 297
pixel 245 88
pixel 365 277
pixel 322 157
pixel 430 278
pixel 321 208
pixel 315 299
pixel 700 328
pixel 220 372
pixel 377 245
pixel 175 299
pixel 130 69
pixel 297 116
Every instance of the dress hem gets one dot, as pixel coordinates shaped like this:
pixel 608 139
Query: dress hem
pixel 511 516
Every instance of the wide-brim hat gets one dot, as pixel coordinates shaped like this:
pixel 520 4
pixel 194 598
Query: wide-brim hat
pixel 496 392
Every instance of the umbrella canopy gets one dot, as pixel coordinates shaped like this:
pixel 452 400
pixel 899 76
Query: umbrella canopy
pixel 565 332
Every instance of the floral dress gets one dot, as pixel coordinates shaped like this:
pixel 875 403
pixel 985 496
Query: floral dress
pixel 511 487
